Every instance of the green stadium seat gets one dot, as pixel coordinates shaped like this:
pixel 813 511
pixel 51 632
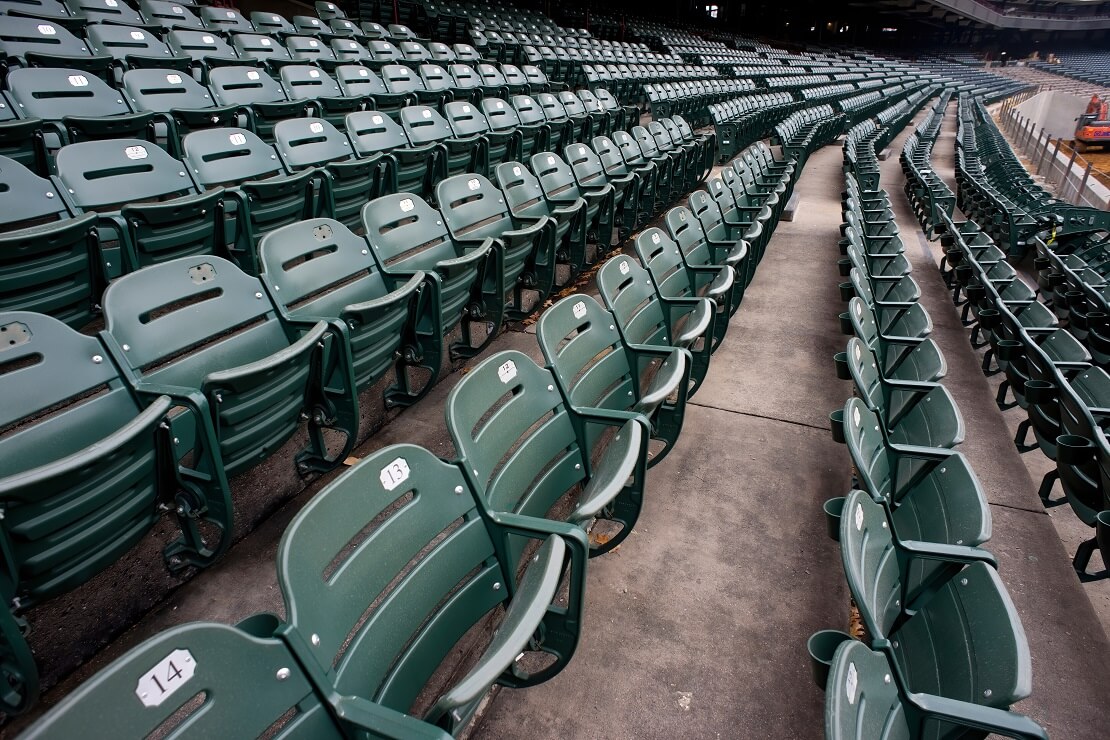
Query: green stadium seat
pixel 521 466
pixel 560 188
pixel 405 168
pixel 467 120
pixel 424 125
pixel 699 252
pixel 597 372
pixel 320 90
pixel 648 196
pixel 464 284
pixel 150 208
pixel 249 377
pixel 422 592
pixel 262 195
pixel 525 198
pixel 645 317
pixel 35 42
pixel 318 270
pixel 179 103
pixel 49 257
pixel 904 358
pixel 169 15
pixel 359 81
pixel 254 90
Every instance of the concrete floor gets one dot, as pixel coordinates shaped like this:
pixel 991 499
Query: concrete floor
pixel 696 626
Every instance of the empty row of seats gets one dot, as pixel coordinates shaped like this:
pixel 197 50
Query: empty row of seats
pixel 607 406
pixel 911 530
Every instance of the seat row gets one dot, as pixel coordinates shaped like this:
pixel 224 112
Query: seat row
pixel 330 315
pixel 928 194
pixel 910 531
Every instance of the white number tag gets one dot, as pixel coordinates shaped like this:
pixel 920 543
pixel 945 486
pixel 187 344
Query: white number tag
pixel 426 113
pixel 47 30
pixel 500 105
pixel 376 119
pixel 313 73
pixel 655 238
pixel 177 10
pixel 364 73
pixel 407 205
pixel 466 109
pixel 507 371
pixel 252 75
pixel 850 683
pixel 859 517
pixel 208 39
pixel 579 309
pixel 237 139
pixel 313 43
pixel 169 675
pixel 138 35
pixel 516 171
pixel 394 474
pixel 265 42
pixel 173 79
pixel 316 128
pixel 624 268
pixel 135 152
pixel 78 80
pixel 473 184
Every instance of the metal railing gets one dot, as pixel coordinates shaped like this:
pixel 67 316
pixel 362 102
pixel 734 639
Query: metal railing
pixel 1059 164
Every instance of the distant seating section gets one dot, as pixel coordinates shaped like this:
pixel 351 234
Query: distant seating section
pixel 227 238
pixel 910 532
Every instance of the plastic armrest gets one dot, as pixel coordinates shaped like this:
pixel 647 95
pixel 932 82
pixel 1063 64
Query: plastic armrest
pixel 948 553
pixel 383 721
pixel 1007 724
pixel 302 345
pixel 618 464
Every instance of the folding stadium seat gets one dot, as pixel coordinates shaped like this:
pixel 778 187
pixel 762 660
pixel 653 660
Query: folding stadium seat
pixel 150 207
pixel 205 48
pixel 589 172
pixel 982 644
pixel 525 198
pixel 941 501
pixel 412 581
pixel 374 30
pixel 475 211
pixel 405 168
pixel 581 120
pixel 436 80
pixel 263 50
pixel 54 95
pixel 317 269
pixel 327 10
pixel 634 158
pixel 249 377
pixel 674 278
pixel 312 50
pixel 599 374
pixel 309 25
pixel 559 187
pixel 169 15
pixel 413 53
pixel 465 83
pixel 515 80
pixel 358 81
pixel 563 130
pixel 699 251
pixel 344 28
pixel 921 414
pixel 537 79
pixel 645 317
pixel 644 175
pixel 224 20
pixel 534 131
pixel 131 47
pixel 34 42
pixel 743 212
pixel 520 465
pixel 259 94
pixel 402 80
pixel 49 258
pixel 271 24
pixel 703 148
pixel 382 53
pixel 86 473
pixel 686 163
pixel 424 125
pixel 320 90
pixel 467 120
pixel 721 232
pixel 896 319
pixel 262 195
pixel 304 143
pixel 601 122
pixel 217 663
pixel 401 32
pixel 900 357
pixel 441 52
pixel 862 702
pixel 880 291
pixel 407 236
pixel 179 103
pixel 104 12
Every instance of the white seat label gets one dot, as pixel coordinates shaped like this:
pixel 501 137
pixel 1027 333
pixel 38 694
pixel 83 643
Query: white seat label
pixel 655 238
pixel 313 73
pixel 466 109
pixel 135 152
pixel 173 79
pixel 178 10
pixel 138 35
pixel 850 683
pixel 376 119
pixel 394 474
pixel 78 80
pixel 407 205
pixel 624 268
pixel 473 183
pixel 316 128
pixel 579 309
pixel 426 113
pixel 47 30
pixel 208 39
pixel 169 675
pixel 265 42
pixel 313 43
pixel 507 371
pixel 237 139
pixel 252 75
pixel 364 73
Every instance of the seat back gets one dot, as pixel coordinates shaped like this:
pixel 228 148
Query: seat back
pixel 384 51
pixel 424 125
pixel 523 191
pixel 401 79
pixel 250 686
pixel 630 150
pixel 229 155
pixel 371 132
pixel 610 155
pixel 663 259
pixel 349 51
pixel 79 458
pixel 270 23
pixel 52 94
pixel 867 448
pixel 308 49
pixel 406 233
pixel 582 346
pixel 310 142
pixel 105 13
pixel 413 51
pixel 473 207
pixel 423 590
pixel 121 42
pixel 586 165
pixel 464 76
pixel 34 40
pixel 500 115
pixel 435 78
pixel 553 109
pixel 571 104
pixel 512 428
pixel 259 47
pixel 355 80
pixel 235 85
pixel 627 291
pixel 305 82
pixel 556 176
pixel 161 91
pixel 224 20
pixel 168 14
pixel 104 176
pixel 465 119
pixel 198 45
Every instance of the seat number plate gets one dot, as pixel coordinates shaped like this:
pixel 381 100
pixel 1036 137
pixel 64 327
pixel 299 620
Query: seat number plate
pixel 624 268
pixel 859 517
pixel 507 371
pixel 579 309
pixel 850 683
pixel 169 675
pixel 394 474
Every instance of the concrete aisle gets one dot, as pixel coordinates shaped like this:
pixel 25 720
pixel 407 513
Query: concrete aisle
pixel 1068 644
pixel 697 626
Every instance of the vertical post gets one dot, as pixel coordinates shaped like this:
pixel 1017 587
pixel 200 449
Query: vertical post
pixel 1044 149
pixel 1052 162
pixel 1067 173
pixel 1082 185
